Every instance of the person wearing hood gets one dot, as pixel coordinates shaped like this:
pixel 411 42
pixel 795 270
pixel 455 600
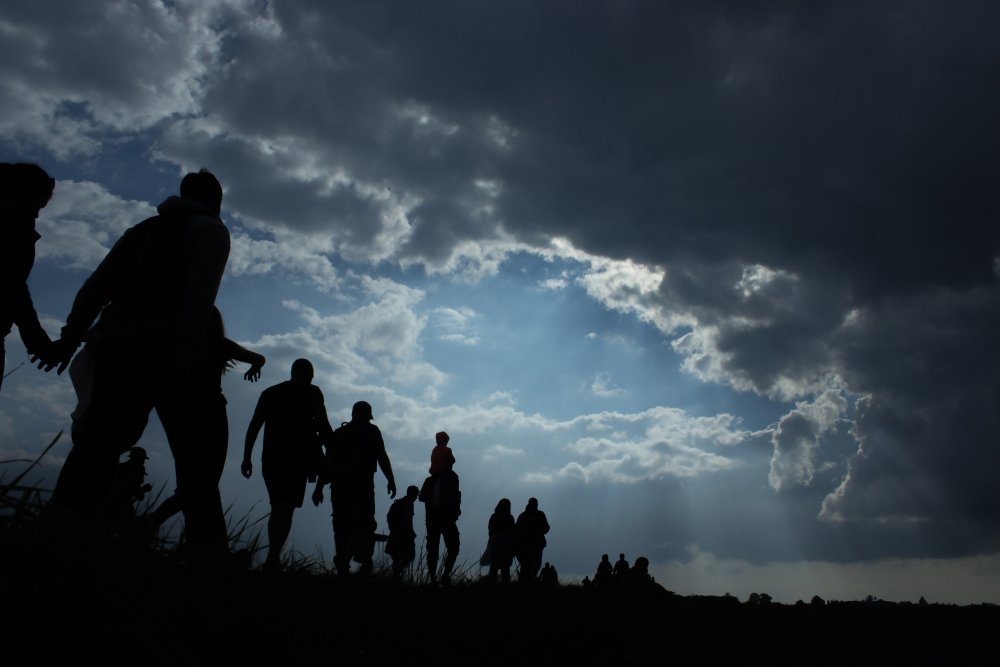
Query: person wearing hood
pixel 151 296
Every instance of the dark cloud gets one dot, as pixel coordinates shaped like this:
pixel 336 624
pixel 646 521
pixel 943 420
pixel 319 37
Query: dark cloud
pixel 817 182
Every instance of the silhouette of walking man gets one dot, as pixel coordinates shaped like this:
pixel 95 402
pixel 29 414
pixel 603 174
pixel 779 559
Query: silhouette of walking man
pixel 25 189
pixel 621 569
pixel 152 293
pixel 355 452
pixel 530 530
pixel 293 416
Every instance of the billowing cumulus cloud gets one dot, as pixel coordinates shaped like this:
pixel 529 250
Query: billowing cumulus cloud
pixel 797 439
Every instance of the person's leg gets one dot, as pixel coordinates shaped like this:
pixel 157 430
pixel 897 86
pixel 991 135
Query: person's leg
pixel 119 405
pixel 168 508
pixel 279 525
pixel 192 428
pixel 451 543
pixel 341 528
pixel 433 544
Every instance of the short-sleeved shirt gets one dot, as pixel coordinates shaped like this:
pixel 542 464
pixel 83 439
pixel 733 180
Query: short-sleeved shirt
pixel 294 413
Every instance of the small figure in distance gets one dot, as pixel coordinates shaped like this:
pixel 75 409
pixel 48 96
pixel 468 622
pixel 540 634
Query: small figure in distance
pixel 354 452
pixel 639 575
pixel 500 547
pixel 401 546
pixel 218 355
pixel 604 570
pixel 621 569
pixel 529 532
pixel 293 416
pixel 549 576
pixel 129 486
pixel 586 583
pixel 442 458
pixel 25 189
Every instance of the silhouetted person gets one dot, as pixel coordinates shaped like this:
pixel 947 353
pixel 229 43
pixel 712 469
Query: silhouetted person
pixel 639 574
pixel 442 458
pixel 442 500
pixel 293 416
pixel 355 452
pixel 529 531
pixel 25 189
pixel 151 295
pixel 549 576
pixel 501 541
pixel 621 569
pixel 604 570
pixel 218 355
pixel 401 546
pixel 129 485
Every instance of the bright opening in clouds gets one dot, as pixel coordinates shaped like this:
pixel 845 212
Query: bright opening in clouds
pixel 717 285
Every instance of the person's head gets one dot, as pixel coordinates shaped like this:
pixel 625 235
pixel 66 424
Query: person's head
pixel 204 188
pixel 412 492
pixel 532 503
pixel 621 556
pixel 503 507
pixel 137 454
pixel 441 438
pixel 604 557
pixel 26 185
pixel 302 371
pixel 362 410
pixel 641 564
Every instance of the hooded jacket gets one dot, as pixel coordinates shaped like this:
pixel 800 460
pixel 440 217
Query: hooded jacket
pixel 160 279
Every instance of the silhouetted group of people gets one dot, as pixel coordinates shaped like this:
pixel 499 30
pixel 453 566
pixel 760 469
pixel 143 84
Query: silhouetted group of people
pixel 621 573
pixel 154 294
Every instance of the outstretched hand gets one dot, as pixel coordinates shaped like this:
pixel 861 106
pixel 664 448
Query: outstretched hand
pixel 253 374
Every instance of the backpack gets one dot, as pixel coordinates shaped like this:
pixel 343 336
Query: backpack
pixel 337 459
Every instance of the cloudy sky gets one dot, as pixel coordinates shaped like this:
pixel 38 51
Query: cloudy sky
pixel 719 286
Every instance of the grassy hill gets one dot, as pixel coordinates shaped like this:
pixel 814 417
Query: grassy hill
pixel 66 598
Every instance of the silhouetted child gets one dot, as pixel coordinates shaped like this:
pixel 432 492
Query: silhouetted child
pixel 401 545
pixel 128 487
pixel 442 458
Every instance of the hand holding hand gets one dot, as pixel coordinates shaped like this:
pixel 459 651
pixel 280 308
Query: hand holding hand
pixel 58 353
